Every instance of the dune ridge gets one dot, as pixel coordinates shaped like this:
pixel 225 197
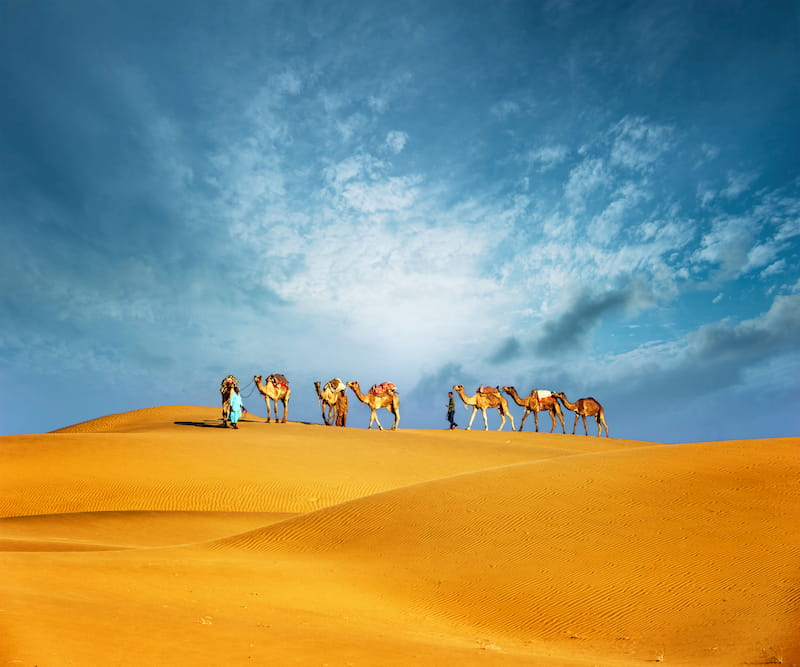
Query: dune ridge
pixel 300 544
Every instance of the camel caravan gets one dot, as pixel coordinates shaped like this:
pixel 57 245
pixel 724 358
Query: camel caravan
pixel 332 397
pixel 539 400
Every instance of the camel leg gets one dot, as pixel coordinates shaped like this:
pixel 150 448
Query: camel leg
pixel 485 421
pixel 396 419
pixel 561 419
pixel 511 417
pixel 553 417
pixel 502 420
pixel 474 410
pixel 285 411
pixel 585 428
pixel 575 423
pixel 524 417
pixel 374 416
pixel 600 418
pixel 536 419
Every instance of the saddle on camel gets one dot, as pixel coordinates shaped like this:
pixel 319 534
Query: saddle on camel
pixel 486 389
pixel 383 388
pixel 279 380
pixel 335 386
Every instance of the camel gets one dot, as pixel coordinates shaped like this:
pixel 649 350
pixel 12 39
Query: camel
pixel 273 392
pixel 225 389
pixel 389 400
pixel 535 404
pixel 328 397
pixel 585 407
pixel 481 401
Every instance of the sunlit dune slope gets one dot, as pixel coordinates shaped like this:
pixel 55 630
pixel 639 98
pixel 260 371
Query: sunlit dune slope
pixel 301 544
pixel 178 459
pixel 615 546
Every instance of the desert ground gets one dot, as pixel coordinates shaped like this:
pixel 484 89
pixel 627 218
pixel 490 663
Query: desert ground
pixel 156 537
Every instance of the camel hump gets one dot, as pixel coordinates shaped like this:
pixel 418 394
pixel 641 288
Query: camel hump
pixel 383 388
pixel 487 389
pixel 335 385
pixel 280 379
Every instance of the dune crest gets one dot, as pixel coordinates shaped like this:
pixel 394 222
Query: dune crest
pixel 298 543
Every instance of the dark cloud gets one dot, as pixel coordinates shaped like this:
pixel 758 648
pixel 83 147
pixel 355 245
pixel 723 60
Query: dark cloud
pixel 709 385
pixel 752 340
pixel 570 330
pixel 510 350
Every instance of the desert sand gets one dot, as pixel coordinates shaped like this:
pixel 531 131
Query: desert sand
pixel 155 537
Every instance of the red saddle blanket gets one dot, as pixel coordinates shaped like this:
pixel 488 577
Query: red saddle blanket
pixel 279 380
pixel 485 389
pixel 383 388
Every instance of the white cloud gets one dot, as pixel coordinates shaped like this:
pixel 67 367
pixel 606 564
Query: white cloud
pixel 504 108
pixel 727 244
pixel 760 255
pixel 637 144
pixel 738 183
pixel 396 141
pixel 548 157
pixel 584 179
pixel 605 226
pixel 393 194
pixel 774 269
pixel 709 151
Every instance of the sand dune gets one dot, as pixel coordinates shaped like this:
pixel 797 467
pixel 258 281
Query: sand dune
pixel 155 537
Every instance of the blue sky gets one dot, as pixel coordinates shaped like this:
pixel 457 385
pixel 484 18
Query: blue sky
pixel 601 198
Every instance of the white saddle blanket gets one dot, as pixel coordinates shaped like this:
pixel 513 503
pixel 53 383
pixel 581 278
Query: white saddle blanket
pixel 543 393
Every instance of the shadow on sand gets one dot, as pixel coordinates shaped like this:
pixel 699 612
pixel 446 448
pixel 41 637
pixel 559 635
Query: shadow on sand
pixel 217 423
pixel 209 423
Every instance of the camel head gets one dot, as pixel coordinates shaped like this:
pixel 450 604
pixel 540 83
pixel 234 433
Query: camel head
pixel 509 390
pixel 458 387
pixel 256 378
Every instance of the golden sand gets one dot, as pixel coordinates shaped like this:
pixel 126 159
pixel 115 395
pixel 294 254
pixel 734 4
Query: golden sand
pixel 156 537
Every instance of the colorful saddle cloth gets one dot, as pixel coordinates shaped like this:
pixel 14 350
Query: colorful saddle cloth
pixel 486 389
pixel 279 380
pixel 383 388
pixel 335 385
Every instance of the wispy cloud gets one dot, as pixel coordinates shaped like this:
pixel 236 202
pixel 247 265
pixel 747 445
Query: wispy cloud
pixel 637 144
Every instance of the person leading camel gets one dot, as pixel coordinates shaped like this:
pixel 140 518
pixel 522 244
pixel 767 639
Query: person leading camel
pixel 225 390
pixel 451 411
pixel 236 407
